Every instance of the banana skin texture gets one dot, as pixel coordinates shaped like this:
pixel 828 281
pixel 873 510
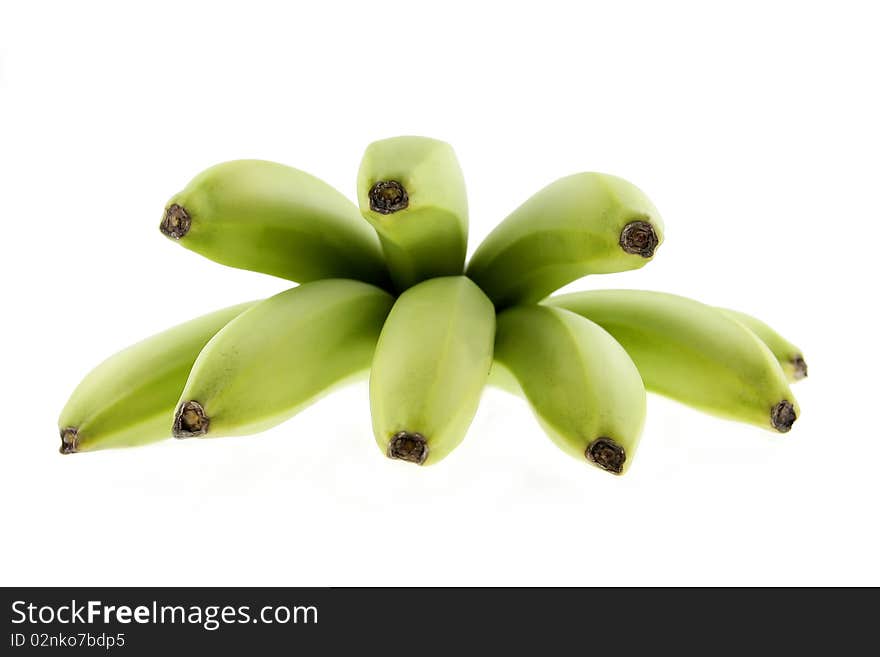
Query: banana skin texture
pixel 583 387
pixel 274 219
pixel 411 190
pixel 430 368
pixel 587 223
pixel 693 353
pixel 279 356
pixel 789 356
pixel 126 400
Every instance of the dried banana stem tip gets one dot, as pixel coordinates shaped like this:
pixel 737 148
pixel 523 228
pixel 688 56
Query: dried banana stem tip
pixel 407 446
pixel 782 416
pixel 639 238
pixel 69 440
pixel 190 420
pixel 606 454
pixel 176 222
pixel 800 367
pixel 388 196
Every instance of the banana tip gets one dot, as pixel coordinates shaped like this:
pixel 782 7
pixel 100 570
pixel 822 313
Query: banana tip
pixel 388 196
pixel 782 416
pixel 800 367
pixel 410 447
pixel 190 420
pixel 69 440
pixel 176 222
pixel 606 454
pixel 639 238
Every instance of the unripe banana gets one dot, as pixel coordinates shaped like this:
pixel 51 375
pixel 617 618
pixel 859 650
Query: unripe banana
pixel 412 191
pixel 693 353
pixel 279 356
pixel 430 368
pixel 789 356
pixel 127 400
pixel 581 384
pixel 274 219
pixel 588 223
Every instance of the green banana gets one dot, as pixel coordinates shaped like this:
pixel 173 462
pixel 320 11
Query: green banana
pixel 582 386
pixel 693 353
pixel 281 355
pixel 430 368
pixel 411 190
pixel 789 356
pixel 127 400
pixel 587 223
pixel 274 219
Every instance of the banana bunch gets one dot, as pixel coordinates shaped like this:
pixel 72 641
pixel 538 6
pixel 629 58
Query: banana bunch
pixel 384 291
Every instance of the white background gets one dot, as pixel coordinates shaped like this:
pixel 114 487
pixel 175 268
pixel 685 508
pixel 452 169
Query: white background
pixel 753 127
